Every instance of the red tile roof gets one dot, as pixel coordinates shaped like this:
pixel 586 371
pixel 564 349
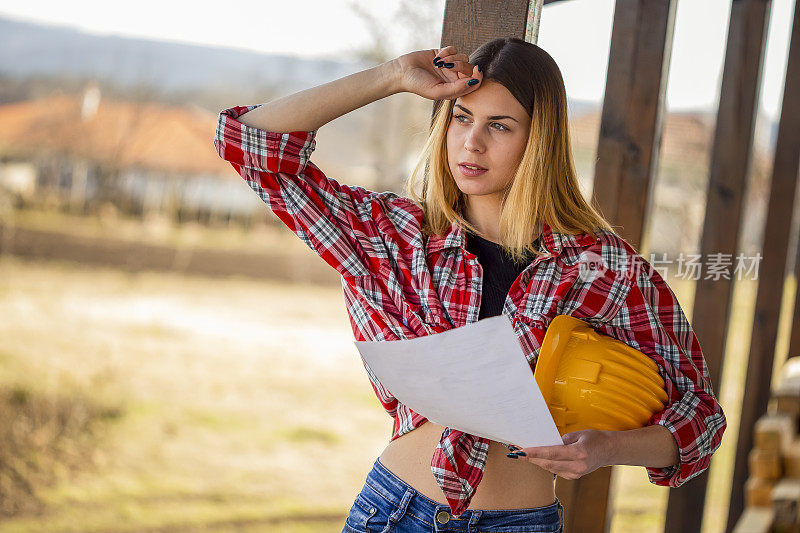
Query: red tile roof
pixel 149 135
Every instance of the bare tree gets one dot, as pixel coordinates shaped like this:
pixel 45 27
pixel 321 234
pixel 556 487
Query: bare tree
pixel 397 124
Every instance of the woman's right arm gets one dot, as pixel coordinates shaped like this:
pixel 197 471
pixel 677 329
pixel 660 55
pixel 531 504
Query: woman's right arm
pixel 270 146
pixel 309 109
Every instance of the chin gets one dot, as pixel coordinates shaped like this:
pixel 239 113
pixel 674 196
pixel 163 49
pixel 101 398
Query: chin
pixel 476 187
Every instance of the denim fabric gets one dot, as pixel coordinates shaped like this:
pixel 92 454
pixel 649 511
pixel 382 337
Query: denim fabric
pixel 386 504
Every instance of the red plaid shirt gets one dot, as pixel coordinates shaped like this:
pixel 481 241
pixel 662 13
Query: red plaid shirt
pixel 398 285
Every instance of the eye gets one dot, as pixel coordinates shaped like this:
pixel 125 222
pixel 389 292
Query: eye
pixel 501 128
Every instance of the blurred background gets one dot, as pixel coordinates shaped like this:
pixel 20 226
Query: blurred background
pixel 161 368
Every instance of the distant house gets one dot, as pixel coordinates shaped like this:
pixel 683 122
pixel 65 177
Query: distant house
pixel 151 157
pixel 155 158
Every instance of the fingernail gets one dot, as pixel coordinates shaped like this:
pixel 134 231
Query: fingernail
pixel 479 68
pixel 512 447
pixel 437 58
pixel 521 453
pixel 449 65
pixel 473 81
pixel 512 455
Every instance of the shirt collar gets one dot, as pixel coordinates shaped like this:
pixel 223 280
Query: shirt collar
pixel 554 242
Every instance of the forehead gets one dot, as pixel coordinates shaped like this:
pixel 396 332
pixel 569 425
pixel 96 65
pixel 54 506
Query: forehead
pixel 491 98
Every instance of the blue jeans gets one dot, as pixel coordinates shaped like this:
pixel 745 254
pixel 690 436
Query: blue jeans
pixel 386 504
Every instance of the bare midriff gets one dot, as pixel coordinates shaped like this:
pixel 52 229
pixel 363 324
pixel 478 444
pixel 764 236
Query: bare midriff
pixel 506 484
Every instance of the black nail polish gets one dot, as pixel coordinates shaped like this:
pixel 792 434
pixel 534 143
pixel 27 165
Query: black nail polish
pixel 437 58
pixel 521 453
pixel 479 68
pixel 473 81
pixel 512 455
pixel 512 447
pixel 449 65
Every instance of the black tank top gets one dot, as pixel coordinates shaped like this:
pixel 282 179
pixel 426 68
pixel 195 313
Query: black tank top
pixel 499 272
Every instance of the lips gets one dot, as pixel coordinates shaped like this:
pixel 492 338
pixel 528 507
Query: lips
pixel 465 163
pixel 471 173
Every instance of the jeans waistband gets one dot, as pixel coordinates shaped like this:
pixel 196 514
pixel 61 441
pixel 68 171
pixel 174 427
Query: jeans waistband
pixel 402 495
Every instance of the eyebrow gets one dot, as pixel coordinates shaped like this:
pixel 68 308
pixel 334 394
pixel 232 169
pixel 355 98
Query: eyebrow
pixel 493 117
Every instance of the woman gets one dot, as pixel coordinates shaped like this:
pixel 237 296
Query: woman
pixel 492 222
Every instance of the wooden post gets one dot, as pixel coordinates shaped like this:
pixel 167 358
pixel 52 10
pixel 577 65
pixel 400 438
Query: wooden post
pixel 630 128
pixel 630 135
pixel 470 23
pixel 790 112
pixel 730 161
pixel 772 271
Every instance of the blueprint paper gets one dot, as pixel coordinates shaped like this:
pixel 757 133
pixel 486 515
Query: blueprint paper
pixel 473 378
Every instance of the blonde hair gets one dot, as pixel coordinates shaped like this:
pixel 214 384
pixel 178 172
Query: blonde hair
pixel 544 188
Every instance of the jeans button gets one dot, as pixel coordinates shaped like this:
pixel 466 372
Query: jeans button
pixel 442 517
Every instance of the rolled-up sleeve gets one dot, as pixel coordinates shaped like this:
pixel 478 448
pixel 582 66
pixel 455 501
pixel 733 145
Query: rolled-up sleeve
pixel 333 219
pixel 652 321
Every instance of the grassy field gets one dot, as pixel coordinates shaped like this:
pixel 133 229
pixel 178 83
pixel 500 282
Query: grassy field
pixel 241 407
pixel 229 404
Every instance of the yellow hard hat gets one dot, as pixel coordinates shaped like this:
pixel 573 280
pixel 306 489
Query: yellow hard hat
pixel 593 381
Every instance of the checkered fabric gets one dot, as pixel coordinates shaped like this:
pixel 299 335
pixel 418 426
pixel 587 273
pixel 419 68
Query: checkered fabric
pixel 399 285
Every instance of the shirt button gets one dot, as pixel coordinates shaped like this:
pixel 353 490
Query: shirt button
pixel 443 517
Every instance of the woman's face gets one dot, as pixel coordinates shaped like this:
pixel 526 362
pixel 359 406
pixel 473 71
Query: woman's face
pixel 489 128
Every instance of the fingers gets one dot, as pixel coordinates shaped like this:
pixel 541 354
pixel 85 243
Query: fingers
pixel 459 67
pixel 449 50
pixel 554 453
pixel 455 57
pixel 450 54
pixel 456 79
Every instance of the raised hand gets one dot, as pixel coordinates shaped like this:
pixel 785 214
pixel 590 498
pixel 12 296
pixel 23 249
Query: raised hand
pixel 421 76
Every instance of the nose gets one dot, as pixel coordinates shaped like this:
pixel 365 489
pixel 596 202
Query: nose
pixel 473 141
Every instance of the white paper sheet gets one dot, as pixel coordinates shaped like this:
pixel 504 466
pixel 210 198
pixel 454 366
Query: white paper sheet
pixel 474 378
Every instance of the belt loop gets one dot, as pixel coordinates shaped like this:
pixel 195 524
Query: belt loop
pixel 472 527
pixel 397 514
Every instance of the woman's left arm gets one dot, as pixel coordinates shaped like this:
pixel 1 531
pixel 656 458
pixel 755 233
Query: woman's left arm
pixel 587 450
pixel 652 446
pixel 677 443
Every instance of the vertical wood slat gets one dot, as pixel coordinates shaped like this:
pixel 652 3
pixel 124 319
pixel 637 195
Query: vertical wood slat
pixel 772 272
pixel 628 146
pixel 787 143
pixel 730 161
pixel 587 501
pixel 470 23
pixel 630 128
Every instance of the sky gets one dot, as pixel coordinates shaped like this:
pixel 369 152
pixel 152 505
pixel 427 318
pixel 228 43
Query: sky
pixel 576 33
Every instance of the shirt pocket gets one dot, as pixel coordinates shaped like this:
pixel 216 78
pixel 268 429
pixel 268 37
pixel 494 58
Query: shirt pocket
pixel 539 304
pixel 595 298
